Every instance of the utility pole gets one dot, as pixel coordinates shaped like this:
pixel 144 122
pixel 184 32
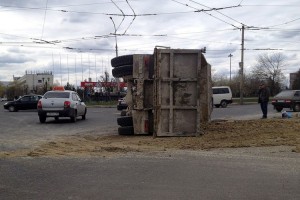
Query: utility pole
pixel 242 69
pixel 117 79
pixel 115 36
pixel 230 55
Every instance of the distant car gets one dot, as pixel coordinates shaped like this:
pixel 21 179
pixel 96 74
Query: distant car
pixel 61 103
pixel 287 99
pixel 25 102
pixel 222 96
pixel 121 104
pixel 3 99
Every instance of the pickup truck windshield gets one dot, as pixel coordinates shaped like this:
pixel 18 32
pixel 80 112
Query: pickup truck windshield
pixel 57 95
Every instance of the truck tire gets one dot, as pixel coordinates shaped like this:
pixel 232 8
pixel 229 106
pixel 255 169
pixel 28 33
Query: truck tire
pixel 123 113
pixel 126 130
pixel 121 71
pixel 125 121
pixel 122 60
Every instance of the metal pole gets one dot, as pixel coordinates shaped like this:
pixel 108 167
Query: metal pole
pixel 230 55
pixel 115 36
pixel 117 79
pixel 242 69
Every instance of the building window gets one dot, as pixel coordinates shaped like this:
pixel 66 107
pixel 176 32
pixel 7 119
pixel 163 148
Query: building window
pixel 39 81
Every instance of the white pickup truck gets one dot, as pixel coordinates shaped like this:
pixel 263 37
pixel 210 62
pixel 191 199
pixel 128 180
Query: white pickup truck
pixel 61 103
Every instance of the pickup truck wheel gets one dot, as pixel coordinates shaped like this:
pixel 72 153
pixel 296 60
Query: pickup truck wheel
pixel 125 121
pixel 278 109
pixel 42 119
pixel 296 108
pixel 223 104
pixel 122 60
pixel 121 71
pixel 126 130
pixel 12 109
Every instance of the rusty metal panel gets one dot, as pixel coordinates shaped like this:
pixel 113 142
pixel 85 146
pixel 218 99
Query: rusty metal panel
pixel 181 84
pixel 142 94
pixel 143 82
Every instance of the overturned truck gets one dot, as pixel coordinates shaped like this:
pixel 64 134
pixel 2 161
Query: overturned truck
pixel 168 92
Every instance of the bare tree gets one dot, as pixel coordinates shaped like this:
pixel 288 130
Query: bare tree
pixel 105 78
pixel 2 90
pixel 269 68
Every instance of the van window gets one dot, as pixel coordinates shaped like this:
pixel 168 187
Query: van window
pixel 220 90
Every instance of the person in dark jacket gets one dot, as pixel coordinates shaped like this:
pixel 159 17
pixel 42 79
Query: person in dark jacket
pixel 263 99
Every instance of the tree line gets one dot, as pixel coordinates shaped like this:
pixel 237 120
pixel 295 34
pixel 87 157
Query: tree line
pixel 268 69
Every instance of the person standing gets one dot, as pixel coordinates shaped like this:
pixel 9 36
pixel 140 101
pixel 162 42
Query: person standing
pixel 263 99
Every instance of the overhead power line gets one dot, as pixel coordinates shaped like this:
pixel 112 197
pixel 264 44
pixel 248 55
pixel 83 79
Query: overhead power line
pixel 210 9
pixel 44 19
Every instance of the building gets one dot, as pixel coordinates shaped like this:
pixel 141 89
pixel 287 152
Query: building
pixel 293 77
pixel 35 82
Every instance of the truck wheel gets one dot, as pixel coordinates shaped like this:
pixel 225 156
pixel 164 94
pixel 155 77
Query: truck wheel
pixel 223 104
pixel 42 119
pixel 121 71
pixel 296 108
pixel 122 60
pixel 126 130
pixel 125 121
pixel 278 109
pixel 123 113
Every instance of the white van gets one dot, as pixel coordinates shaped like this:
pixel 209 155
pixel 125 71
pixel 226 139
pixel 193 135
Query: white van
pixel 222 96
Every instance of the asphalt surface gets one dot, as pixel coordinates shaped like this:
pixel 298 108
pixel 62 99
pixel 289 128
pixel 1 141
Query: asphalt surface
pixel 23 130
pixel 194 175
pixel 217 174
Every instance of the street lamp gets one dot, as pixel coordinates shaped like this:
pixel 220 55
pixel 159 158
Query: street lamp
pixel 115 36
pixel 230 55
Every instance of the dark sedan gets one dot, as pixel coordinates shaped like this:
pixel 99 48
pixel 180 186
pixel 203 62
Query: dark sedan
pixel 25 102
pixel 287 99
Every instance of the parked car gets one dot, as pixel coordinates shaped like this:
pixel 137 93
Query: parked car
pixel 121 104
pixel 25 102
pixel 287 99
pixel 61 103
pixel 222 96
pixel 3 99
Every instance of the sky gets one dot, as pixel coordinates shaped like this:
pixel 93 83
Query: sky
pixel 76 39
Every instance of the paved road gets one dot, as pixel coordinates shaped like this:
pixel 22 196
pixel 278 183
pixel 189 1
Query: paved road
pixel 188 175
pixel 169 175
pixel 22 129
pixel 242 112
